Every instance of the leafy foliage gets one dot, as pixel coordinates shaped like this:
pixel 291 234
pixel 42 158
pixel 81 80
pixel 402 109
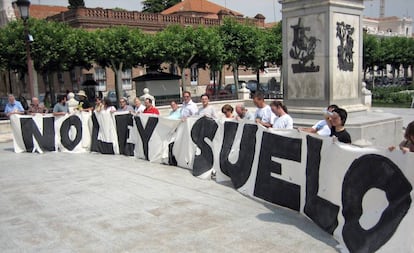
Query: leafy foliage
pixel 73 4
pixel 393 95
pixel 396 51
pixel 156 6
pixel 119 48
pixel 13 47
pixel 186 46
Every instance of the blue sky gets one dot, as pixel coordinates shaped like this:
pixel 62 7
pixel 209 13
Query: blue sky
pixel 252 7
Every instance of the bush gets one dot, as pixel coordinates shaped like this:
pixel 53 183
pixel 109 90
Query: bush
pixel 393 95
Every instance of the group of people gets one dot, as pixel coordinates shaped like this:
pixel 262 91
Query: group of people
pixel 68 104
pixel 274 115
pixel 332 125
pixel 15 107
pixel 189 108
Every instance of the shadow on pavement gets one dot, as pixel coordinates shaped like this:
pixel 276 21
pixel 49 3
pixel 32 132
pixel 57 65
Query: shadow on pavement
pixel 289 217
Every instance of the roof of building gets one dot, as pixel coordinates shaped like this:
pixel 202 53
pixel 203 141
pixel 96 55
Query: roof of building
pixel 200 6
pixel 44 11
pixel 390 18
pixel 271 24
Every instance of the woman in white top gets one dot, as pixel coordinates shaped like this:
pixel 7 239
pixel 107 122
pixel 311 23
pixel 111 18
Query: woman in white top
pixel 283 120
pixel 107 105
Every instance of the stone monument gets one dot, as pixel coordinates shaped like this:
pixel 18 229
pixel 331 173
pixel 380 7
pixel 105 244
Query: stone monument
pixel 323 53
pixel 322 65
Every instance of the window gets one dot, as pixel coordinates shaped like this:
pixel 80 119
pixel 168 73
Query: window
pixel 194 75
pixel 127 79
pixel 100 78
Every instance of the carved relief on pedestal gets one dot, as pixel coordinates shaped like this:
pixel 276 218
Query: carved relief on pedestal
pixel 303 49
pixel 345 34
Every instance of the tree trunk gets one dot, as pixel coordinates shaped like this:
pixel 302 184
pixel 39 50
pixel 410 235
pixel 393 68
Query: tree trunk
pixel 220 83
pixel 258 80
pixel 406 75
pixel 118 80
pixel 281 88
pixel 10 82
pixel 118 84
pixel 365 73
pixel 236 77
pixel 182 69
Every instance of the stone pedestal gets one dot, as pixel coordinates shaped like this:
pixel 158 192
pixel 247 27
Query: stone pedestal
pixel 366 95
pixel 322 53
pixel 244 93
pixel 322 65
pixel 147 95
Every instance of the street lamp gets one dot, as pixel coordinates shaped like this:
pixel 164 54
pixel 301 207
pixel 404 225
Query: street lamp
pixel 24 6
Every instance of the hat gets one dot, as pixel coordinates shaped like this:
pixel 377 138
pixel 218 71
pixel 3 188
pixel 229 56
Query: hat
pixel 82 93
pixel 71 95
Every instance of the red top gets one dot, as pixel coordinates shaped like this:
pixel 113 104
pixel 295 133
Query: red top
pixel 152 110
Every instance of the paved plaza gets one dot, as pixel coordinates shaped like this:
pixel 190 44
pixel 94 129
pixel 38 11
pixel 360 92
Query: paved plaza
pixel 61 202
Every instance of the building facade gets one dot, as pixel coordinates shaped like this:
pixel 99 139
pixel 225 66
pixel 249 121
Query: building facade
pixel 389 26
pixel 185 13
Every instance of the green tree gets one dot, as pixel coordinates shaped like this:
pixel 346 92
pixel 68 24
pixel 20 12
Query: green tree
pixel 371 53
pixel 186 46
pixel 241 45
pixel 73 4
pixel 407 55
pixel 12 49
pixel 119 48
pixel 273 44
pixel 81 52
pixel 50 49
pixel 157 6
pixel 268 49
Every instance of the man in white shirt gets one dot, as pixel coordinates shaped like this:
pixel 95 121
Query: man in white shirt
pixel 206 109
pixel 263 115
pixel 189 108
pixel 138 106
pixel 283 120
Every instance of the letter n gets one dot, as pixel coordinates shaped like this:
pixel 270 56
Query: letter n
pixel 29 130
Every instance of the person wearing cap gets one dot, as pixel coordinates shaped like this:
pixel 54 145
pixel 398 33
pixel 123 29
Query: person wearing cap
pixel 84 104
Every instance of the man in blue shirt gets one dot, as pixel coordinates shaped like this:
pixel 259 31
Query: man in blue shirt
pixel 13 106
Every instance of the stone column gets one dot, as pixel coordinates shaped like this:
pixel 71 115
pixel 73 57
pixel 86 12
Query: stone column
pixel 322 53
pixel 147 95
pixel 244 93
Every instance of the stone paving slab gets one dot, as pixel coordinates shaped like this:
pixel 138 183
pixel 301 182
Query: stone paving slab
pixel 62 202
